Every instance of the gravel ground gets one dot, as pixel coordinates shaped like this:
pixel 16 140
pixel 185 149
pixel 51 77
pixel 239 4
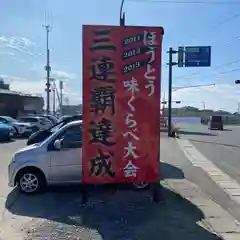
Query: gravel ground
pixel 110 214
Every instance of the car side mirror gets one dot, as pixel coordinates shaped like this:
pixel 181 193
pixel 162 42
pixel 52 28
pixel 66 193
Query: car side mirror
pixel 57 144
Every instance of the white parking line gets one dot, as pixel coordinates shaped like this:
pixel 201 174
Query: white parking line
pixel 229 185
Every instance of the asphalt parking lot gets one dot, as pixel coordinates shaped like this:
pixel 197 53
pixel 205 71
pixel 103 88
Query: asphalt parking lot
pixel 111 213
pixel 6 152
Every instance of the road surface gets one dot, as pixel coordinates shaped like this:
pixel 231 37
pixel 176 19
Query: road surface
pixel 6 153
pixel 221 147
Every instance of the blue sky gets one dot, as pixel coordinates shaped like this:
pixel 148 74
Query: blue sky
pixel 22 44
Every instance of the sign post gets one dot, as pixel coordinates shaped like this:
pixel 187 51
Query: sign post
pixel 121 80
pixel 170 65
pixel 198 56
pixel 190 56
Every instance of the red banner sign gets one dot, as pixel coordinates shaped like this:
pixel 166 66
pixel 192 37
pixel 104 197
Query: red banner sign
pixel 121 103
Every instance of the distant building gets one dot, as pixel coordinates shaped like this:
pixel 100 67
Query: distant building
pixel 71 109
pixel 15 104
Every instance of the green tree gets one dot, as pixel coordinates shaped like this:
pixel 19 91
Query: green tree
pixel 4 85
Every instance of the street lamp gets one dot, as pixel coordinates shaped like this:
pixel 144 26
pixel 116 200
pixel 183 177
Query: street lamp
pixel 122 15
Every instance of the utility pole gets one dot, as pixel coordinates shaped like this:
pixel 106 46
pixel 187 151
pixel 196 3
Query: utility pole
pixel 61 97
pixel 204 105
pixel 170 65
pixel 47 67
pixel 54 102
pixel 54 95
pixel 204 108
pixel 164 102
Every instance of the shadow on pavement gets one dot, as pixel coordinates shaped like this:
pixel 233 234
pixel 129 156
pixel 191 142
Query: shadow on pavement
pixel 227 130
pixel 216 143
pixel 168 171
pixel 196 133
pixel 7 141
pixel 110 213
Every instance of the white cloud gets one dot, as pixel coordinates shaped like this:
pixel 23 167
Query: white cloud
pixel 221 96
pixel 27 86
pixel 38 87
pixel 10 78
pixel 8 53
pixel 19 44
pixel 61 75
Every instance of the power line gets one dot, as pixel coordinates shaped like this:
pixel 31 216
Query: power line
pixel 219 24
pixel 219 66
pixel 235 40
pixel 188 2
pixel 221 73
pixel 226 20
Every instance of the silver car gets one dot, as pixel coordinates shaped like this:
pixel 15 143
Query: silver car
pixel 56 160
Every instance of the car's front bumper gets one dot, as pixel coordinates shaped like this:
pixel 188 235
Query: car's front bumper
pixel 11 174
pixel 25 131
pixel 4 135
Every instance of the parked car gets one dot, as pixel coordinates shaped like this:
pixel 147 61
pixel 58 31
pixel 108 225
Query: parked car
pixel 64 117
pixel 56 160
pixel 21 128
pixel 216 122
pixel 6 132
pixel 41 135
pixel 38 123
pixel 51 118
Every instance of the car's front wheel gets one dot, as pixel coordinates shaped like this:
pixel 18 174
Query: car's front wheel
pixel 31 181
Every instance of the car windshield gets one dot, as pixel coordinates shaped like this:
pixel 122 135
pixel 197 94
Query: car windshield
pixel 64 117
pixel 55 128
pixel 216 118
pixel 28 120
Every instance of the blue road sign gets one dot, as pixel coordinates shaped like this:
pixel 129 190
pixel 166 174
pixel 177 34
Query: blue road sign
pixel 198 56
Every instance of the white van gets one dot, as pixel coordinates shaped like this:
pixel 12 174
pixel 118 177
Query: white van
pixel 56 160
